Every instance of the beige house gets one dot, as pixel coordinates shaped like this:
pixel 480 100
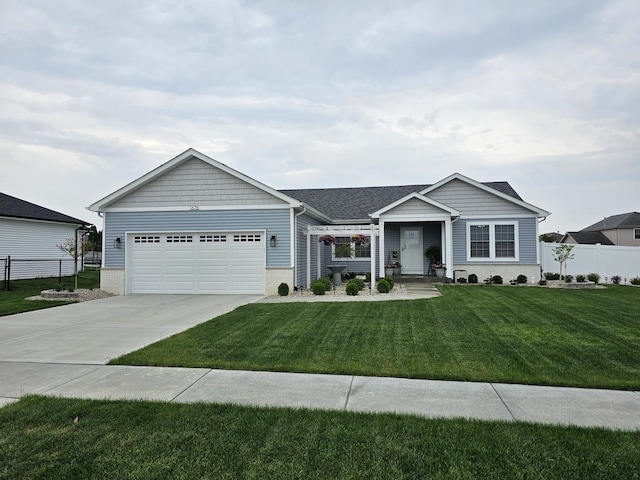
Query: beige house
pixel 621 230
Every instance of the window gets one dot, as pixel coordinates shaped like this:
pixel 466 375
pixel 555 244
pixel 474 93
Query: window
pixel 345 247
pixel 179 238
pixel 636 233
pixel 492 241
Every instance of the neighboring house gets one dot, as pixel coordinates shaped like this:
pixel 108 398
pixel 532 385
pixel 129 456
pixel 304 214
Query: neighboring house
pixel 621 230
pixel 29 231
pixel 195 225
pixel 586 238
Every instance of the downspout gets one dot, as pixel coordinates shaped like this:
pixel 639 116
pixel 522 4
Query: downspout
pixel 538 256
pixel 295 244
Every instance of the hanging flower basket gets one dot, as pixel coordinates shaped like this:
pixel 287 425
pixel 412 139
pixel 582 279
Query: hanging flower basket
pixel 327 239
pixel 359 239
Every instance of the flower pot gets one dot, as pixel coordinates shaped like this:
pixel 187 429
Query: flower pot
pixel 440 271
pixel 397 270
pixel 388 272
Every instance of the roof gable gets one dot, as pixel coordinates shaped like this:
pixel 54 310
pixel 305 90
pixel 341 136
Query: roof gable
pixel 16 208
pixel 587 238
pixel 474 198
pixel 414 203
pixel 192 178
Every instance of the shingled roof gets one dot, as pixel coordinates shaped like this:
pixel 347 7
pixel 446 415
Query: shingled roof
pixel 623 220
pixel 356 203
pixel 588 238
pixel 15 208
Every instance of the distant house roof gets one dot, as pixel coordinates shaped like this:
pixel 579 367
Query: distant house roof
pixel 357 203
pixel 587 238
pixel 555 236
pixel 623 220
pixel 15 208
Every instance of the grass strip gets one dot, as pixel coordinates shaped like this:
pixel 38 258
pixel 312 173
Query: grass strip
pixel 84 439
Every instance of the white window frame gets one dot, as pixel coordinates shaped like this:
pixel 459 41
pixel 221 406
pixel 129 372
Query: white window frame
pixel 492 242
pixel 353 252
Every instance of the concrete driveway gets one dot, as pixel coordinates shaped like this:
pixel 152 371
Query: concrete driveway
pixel 97 331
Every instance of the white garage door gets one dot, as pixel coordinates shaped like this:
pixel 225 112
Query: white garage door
pixel 208 262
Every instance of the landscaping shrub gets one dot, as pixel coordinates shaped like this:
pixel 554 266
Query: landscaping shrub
pixel 391 282
pixel 593 277
pixel 616 279
pixel 359 282
pixel 283 289
pixel 473 278
pixel 318 287
pixel 635 281
pixel 580 278
pixel 367 277
pixel 551 276
pixel 521 279
pixel 352 288
pixel 497 279
pixel 461 280
pixel 327 282
pixel 568 278
pixel 383 286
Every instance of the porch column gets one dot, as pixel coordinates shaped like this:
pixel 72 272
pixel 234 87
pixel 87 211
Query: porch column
pixel 373 255
pixel 308 259
pixel 448 241
pixel 318 270
pixel 381 256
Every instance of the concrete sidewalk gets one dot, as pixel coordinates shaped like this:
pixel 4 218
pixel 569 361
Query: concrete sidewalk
pixel 428 398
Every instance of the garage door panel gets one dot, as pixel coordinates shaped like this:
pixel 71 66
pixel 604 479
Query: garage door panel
pixel 174 265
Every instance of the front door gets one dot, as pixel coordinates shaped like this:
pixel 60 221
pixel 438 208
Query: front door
pixel 412 253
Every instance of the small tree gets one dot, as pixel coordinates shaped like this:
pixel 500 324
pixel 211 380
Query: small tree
pixel 75 251
pixel 561 254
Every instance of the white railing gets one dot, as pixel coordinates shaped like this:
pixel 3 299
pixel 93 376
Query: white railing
pixel 605 260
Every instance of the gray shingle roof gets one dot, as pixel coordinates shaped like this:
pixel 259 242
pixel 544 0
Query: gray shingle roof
pixel 590 238
pixel 356 203
pixel 623 220
pixel 16 208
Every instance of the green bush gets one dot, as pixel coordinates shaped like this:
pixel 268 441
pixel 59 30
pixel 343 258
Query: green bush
pixel 327 282
pixel 352 288
pixel 359 282
pixel 521 279
pixel 367 277
pixel 473 278
pixel 616 279
pixel 391 282
pixel 593 277
pixel 580 278
pixel 635 281
pixel 383 286
pixel 318 287
pixel 497 279
pixel 568 278
pixel 283 289
pixel 551 276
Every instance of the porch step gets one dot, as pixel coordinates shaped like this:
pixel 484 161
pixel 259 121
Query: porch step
pixel 423 289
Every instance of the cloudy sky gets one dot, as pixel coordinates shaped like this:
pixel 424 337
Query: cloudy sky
pixel 300 94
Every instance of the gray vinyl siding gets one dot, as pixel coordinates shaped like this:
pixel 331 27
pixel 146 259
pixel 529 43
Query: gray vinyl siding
pixel 414 206
pixel 526 237
pixel 470 200
pixel 430 235
pixel 197 183
pixel 274 221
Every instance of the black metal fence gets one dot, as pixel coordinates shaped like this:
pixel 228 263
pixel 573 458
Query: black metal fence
pixel 29 268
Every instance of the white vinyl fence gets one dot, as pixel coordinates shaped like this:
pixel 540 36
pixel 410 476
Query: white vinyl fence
pixel 605 260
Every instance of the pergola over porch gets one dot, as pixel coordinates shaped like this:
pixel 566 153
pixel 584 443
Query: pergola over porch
pixel 372 231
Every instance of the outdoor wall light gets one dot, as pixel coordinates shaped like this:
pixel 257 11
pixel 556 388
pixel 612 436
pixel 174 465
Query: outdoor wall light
pixel 272 242
pixel 117 243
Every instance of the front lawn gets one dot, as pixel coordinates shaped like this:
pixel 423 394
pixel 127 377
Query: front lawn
pixel 586 338
pixel 88 439
pixel 14 301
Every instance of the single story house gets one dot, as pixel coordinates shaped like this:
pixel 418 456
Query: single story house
pixel 29 231
pixel 195 225
pixel 622 230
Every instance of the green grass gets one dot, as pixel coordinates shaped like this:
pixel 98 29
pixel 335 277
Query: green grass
pixel 585 338
pixel 14 301
pixel 143 440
